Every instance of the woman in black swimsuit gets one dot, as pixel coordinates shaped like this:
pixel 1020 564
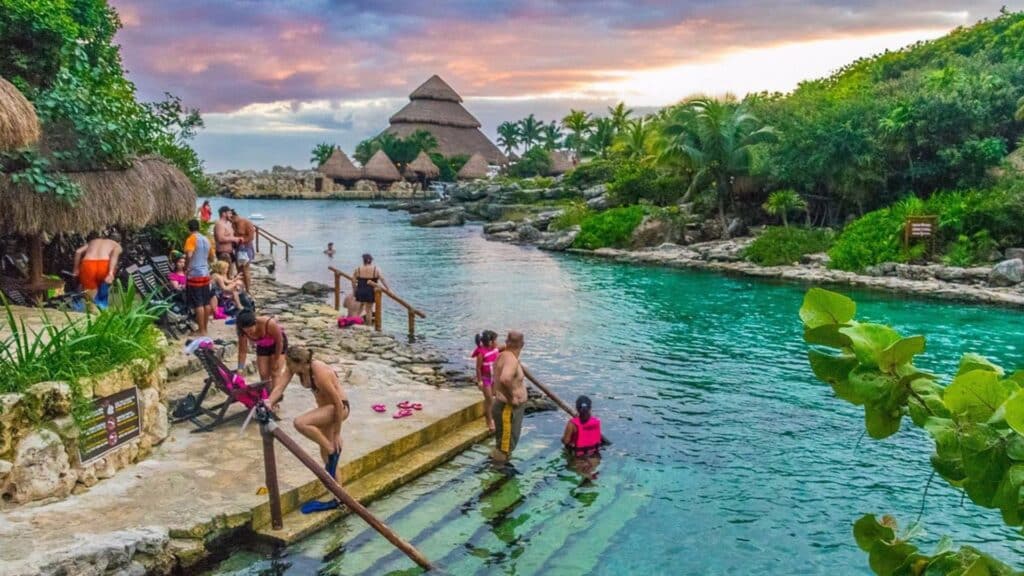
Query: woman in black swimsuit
pixel 364 280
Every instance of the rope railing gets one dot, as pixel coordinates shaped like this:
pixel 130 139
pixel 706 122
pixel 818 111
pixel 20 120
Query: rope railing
pixel 378 305
pixel 272 240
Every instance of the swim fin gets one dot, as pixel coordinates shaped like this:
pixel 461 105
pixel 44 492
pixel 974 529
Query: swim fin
pixel 317 506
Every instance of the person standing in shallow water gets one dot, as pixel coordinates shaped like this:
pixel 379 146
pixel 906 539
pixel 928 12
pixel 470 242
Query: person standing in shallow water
pixel 364 280
pixel 509 397
pixel 486 354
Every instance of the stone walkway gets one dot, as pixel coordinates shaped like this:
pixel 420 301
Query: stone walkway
pixel 197 488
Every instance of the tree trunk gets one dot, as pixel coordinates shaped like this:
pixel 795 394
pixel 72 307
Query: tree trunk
pixel 785 224
pixel 721 217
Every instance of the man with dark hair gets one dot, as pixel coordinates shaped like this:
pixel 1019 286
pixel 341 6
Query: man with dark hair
pixel 224 234
pixel 95 266
pixel 509 397
pixel 245 234
pixel 198 254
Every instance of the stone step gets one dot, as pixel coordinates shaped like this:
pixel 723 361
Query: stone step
pixel 442 443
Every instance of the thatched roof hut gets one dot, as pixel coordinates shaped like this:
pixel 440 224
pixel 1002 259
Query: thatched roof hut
pixel 437 108
pixel 19 126
pixel 475 167
pixel 380 168
pixel 423 167
pixel 339 167
pixel 174 196
pixel 561 162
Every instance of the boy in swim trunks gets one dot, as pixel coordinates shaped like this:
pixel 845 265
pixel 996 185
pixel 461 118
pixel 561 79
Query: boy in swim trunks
pixel 95 266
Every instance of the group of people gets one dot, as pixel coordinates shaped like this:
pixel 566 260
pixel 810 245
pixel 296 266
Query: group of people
pixel 216 276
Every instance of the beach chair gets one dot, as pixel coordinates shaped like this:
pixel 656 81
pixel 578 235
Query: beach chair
pixel 162 265
pixel 175 319
pixel 16 292
pixel 230 383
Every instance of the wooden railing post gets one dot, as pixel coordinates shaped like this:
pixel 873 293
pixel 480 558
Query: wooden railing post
pixel 337 291
pixel 378 306
pixel 272 247
pixel 257 239
pixel 412 324
pixel 270 472
pixel 285 252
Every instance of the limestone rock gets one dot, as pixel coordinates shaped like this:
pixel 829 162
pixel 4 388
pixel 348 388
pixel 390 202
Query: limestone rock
pixel 12 419
pixel 496 227
pixel 601 202
pixel 543 220
pixel 820 259
pixel 736 228
pixel 5 470
pixel 652 232
pixel 49 399
pixel 41 469
pixel 1014 254
pixel 315 288
pixel 155 424
pixel 560 241
pixel 471 193
pixel 440 218
pixel 527 233
pixel 595 191
pixel 1007 273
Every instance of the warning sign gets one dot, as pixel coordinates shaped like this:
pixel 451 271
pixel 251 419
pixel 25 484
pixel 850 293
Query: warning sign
pixel 113 421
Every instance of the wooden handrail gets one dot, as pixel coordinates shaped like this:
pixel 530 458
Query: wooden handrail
pixel 412 311
pixel 273 240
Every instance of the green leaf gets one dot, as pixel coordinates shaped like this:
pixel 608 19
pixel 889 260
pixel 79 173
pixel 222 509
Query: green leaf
pixel 900 353
pixel 870 385
pixel 835 371
pixel 867 531
pixel 970 362
pixel 881 422
pixel 926 402
pixel 985 462
pixel 827 335
pixel 948 457
pixel 869 340
pixel 822 307
pixel 1014 411
pixel 1015 447
pixel 975 396
pixel 1008 496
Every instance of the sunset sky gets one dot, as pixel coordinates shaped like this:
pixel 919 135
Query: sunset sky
pixel 273 78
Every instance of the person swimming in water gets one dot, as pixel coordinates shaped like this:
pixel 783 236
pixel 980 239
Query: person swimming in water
pixel 582 439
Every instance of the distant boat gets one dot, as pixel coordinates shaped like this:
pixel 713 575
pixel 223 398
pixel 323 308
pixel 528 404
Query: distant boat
pixel 257 216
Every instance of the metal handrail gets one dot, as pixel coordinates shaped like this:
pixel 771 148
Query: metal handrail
pixel 273 240
pixel 411 310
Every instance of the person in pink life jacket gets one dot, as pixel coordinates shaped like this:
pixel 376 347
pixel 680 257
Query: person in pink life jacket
pixel 486 354
pixel 582 436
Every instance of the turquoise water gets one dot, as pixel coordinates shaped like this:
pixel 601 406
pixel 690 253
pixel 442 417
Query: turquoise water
pixel 729 457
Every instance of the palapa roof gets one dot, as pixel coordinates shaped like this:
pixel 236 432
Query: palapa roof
pixel 150 191
pixel 561 162
pixel 380 168
pixel 423 166
pixel 19 126
pixel 475 167
pixel 340 167
pixel 436 108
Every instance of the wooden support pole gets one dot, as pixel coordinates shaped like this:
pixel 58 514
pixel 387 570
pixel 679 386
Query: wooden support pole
pixel 337 291
pixel 554 398
pixel 412 325
pixel 286 246
pixel 270 471
pixel 352 504
pixel 378 306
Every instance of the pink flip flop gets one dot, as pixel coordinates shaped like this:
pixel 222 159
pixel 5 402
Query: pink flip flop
pixel 379 408
pixel 402 413
pixel 405 405
pixel 417 406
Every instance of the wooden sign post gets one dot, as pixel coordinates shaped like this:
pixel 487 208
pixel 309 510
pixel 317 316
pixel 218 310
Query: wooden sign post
pixel 921 229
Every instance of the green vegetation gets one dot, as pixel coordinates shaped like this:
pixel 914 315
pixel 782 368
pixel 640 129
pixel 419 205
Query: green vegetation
pixel 976 422
pixel 61 54
pixel 535 162
pixel 591 173
pixel 637 182
pixel 611 228
pixel 80 347
pixel 400 150
pixel 573 215
pixel 783 245
pixel 321 152
pixel 782 203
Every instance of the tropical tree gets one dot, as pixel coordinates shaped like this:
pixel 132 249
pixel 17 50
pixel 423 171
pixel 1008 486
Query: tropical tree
pixel 634 140
pixel 715 138
pixel 578 123
pixel 601 138
pixel 421 141
pixel 551 136
pixel 1020 109
pixel 619 115
pixel 321 152
pixel 508 136
pixel 529 131
pixel 783 202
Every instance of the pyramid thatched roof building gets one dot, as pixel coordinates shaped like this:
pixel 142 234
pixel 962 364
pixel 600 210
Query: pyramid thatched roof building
pixel 339 167
pixel 475 167
pixel 437 108
pixel 380 168
pixel 19 126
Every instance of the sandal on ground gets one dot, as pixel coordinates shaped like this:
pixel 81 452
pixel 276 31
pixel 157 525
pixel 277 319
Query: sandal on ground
pixel 402 413
pixel 417 406
pixel 405 405
pixel 318 506
pixel 379 408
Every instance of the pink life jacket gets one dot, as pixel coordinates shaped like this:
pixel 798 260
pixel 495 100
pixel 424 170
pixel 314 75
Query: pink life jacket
pixel 588 435
pixel 490 356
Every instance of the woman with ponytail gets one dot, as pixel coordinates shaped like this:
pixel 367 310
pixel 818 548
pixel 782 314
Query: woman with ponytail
pixel 486 354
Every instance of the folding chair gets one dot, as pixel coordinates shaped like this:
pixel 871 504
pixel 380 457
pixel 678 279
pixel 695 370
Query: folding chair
pixel 228 382
pixel 175 319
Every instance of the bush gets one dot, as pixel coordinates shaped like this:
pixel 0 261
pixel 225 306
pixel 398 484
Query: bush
pixel 636 182
pixel 449 167
pixel 535 162
pixel 778 246
pixel 591 173
pixel 573 215
pixel 611 228
pixel 969 250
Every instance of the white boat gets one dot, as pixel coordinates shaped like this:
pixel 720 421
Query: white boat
pixel 257 216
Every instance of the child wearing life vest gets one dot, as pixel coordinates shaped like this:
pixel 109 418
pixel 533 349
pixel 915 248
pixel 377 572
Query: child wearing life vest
pixel 486 354
pixel 582 436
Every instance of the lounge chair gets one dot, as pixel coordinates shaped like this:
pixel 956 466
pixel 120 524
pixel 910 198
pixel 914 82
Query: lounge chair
pixel 175 319
pixel 226 381
pixel 17 293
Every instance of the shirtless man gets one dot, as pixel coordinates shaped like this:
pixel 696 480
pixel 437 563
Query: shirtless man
pixel 245 233
pixel 224 235
pixel 95 266
pixel 509 397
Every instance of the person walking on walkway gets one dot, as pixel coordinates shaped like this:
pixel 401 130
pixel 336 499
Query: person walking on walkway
pixel 245 232
pixel 364 280
pixel 95 267
pixel 269 339
pixel 509 397
pixel 198 254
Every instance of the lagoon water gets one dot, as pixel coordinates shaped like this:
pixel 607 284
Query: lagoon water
pixel 729 457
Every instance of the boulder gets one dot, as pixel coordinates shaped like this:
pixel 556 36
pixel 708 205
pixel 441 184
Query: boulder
pixel 1014 254
pixel 1007 273
pixel 820 259
pixel 595 191
pixel 914 272
pixel 154 415
pixel 440 218
pixel 543 220
pixel 49 399
pixel 315 288
pixel 527 234
pixel 5 470
pixel 601 202
pixel 736 228
pixel 653 232
pixel 40 470
pixel 366 187
pixel 559 241
pixel 13 418
pixel 471 193
pixel 498 227
pixel 711 229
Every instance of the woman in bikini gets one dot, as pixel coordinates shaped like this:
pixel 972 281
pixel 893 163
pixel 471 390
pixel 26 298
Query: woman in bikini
pixel 364 279
pixel 269 338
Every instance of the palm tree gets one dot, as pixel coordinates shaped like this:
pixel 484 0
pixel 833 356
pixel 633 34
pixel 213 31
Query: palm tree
pixel 619 115
pixel 422 140
pixel 634 141
pixel 551 136
pixel 1020 109
pixel 508 136
pixel 529 131
pixel 578 123
pixel 715 139
pixel 782 203
pixel 321 152
pixel 601 138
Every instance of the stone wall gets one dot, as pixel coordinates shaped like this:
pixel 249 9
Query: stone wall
pixel 39 456
pixel 284 182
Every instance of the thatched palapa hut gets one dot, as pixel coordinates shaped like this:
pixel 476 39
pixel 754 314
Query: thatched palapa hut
pixel 339 168
pixel 422 167
pixel 19 126
pixel 437 108
pixel 380 168
pixel 475 168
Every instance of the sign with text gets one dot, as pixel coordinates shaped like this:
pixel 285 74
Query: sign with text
pixel 921 229
pixel 113 421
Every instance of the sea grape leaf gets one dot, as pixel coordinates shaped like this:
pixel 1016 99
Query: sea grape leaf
pixel 1009 498
pixel 926 401
pixel 975 396
pixel 900 353
pixel 1013 411
pixel 881 422
pixel 868 530
pixel 971 361
pixel 822 307
pixel 827 335
pixel 985 463
pixel 1017 377
pixel 885 559
pixel 948 457
pixel 1015 447
pixel 869 340
pixel 869 385
pixel 835 371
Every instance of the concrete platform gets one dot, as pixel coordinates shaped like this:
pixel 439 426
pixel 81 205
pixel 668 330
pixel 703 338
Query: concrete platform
pixel 198 488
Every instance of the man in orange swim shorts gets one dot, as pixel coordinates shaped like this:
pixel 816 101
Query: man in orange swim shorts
pixel 95 267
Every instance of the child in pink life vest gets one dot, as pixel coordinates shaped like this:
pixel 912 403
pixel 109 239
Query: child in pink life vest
pixel 486 354
pixel 582 436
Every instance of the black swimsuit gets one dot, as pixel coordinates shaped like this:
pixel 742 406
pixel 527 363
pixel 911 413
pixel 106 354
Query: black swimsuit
pixel 364 292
